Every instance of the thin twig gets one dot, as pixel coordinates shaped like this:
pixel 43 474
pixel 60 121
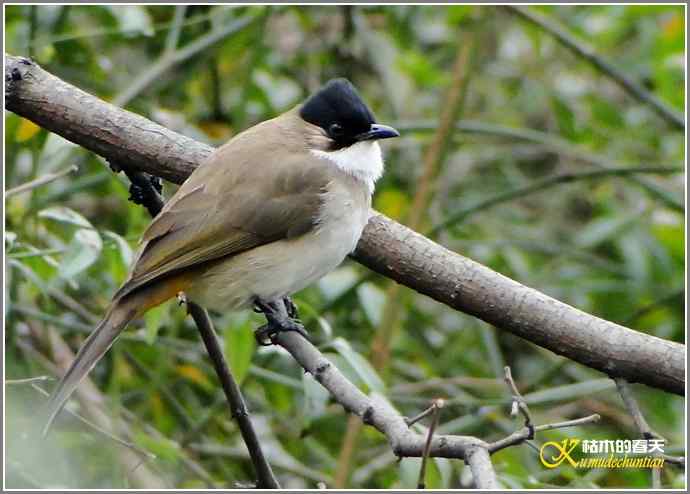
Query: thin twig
pixel 185 457
pixel 42 180
pixel 266 478
pixel 100 430
pixel 525 433
pixel 656 478
pixel 543 184
pixel 554 143
pixel 29 380
pixel 174 34
pixel 640 422
pixel 676 460
pixel 519 405
pixel 169 60
pixel 587 53
pixel 168 395
pixel 421 415
pixel 676 296
pixel 634 409
pixel 91 400
pixel 436 410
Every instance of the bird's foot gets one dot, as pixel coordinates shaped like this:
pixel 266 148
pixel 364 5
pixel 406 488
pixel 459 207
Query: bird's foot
pixel 291 309
pixel 139 193
pixel 281 316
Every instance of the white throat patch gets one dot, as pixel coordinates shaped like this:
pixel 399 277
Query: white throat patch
pixel 363 160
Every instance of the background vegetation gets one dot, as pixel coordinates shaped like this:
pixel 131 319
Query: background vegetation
pixel 612 246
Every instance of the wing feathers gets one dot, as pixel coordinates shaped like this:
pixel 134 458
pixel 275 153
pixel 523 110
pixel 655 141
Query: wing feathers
pixel 207 221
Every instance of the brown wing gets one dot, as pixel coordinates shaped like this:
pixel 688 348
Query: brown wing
pixel 225 208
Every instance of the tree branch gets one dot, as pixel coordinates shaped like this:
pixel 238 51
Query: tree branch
pixel 39 181
pixel 172 57
pixel 634 409
pixel 526 433
pixel 264 473
pixel 374 410
pixel 585 52
pixel 386 246
pixel 544 184
pixel 482 469
pixel 554 143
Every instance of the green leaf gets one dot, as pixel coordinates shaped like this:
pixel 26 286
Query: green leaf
pixel 133 18
pixel 569 392
pixel 409 473
pixel 55 153
pixel 153 320
pixel 672 236
pixel 30 275
pixel 337 282
pixel 85 246
pixel 373 300
pixel 346 368
pixel 119 256
pixel 636 256
pixel 10 239
pixel 605 112
pixel 63 214
pixel 123 247
pixel 445 470
pixel 564 117
pixel 164 449
pixel 239 349
pixel 360 365
pixel 82 252
pixel 600 230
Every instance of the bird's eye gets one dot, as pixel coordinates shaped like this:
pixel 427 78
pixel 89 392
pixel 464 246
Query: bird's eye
pixel 336 130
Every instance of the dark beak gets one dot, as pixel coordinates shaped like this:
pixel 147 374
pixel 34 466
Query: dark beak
pixel 378 131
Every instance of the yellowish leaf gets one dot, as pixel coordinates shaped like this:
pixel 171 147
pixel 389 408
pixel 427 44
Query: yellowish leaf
pixel 26 130
pixel 392 203
pixel 673 27
pixel 194 375
pixel 216 130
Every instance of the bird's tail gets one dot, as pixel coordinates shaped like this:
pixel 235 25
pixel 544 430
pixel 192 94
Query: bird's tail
pixel 93 349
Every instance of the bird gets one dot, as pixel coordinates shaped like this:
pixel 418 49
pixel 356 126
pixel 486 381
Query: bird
pixel 271 211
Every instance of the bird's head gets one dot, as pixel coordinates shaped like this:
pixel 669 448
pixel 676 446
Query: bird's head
pixel 340 112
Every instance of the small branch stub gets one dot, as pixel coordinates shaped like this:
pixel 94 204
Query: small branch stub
pixel 519 405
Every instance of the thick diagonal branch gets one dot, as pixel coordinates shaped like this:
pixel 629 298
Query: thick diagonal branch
pixel 386 246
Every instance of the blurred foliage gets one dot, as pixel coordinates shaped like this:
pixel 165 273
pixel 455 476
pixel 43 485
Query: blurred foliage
pixel 607 246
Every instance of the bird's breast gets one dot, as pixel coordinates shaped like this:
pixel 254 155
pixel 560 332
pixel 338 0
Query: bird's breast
pixel 287 266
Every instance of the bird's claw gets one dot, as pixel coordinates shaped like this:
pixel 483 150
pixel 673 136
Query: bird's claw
pixel 139 194
pixel 291 308
pixel 266 334
pixel 279 321
pixel 136 194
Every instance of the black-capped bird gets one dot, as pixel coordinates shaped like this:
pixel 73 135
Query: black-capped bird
pixel 274 209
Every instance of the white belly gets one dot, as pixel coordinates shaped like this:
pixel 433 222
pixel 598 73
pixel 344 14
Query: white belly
pixel 280 268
